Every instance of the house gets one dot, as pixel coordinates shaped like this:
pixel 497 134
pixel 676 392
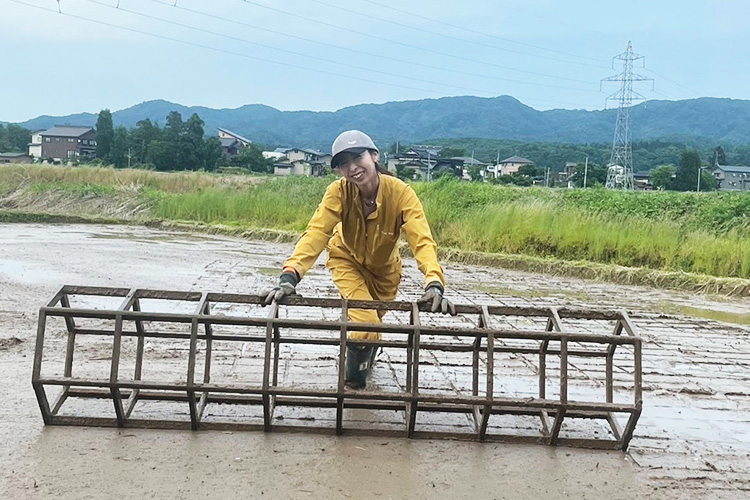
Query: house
pixel 641 181
pixel 232 144
pixel 300 161
pixel 410 158
pixel 425 162
pixel 35 146
pixel 465 163
pixel 565 178
pixel 732 178
pixel 511 165
pixel 307 155
pixel 14 158
pixel 288 168
pixel 64 142
pixel 276 154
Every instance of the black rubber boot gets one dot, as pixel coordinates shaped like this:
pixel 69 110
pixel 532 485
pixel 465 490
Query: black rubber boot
pixel 359 361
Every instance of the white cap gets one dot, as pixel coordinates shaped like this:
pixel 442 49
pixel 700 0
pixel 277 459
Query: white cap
pixel 351 140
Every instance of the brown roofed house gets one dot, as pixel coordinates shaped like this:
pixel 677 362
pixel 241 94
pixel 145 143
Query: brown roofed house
pixel 66 142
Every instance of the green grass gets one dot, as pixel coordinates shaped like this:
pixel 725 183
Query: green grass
pixel 704 233
pixel 77 189
pixel 132 180
pixel 285 204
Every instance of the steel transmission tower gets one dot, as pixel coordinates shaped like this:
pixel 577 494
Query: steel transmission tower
pixel 620 167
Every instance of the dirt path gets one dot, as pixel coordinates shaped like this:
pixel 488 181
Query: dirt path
pixel 693 439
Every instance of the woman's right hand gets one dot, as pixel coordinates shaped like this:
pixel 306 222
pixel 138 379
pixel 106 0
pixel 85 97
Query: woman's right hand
pixel 287 286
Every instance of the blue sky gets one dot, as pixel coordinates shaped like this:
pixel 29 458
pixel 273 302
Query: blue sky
pixel 324 55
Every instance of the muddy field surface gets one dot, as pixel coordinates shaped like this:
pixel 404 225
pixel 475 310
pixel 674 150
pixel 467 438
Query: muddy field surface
pixel 692 440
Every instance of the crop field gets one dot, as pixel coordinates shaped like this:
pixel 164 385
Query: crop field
pixel 701 233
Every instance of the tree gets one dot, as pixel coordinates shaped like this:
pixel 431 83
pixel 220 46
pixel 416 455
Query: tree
pixel 404 173
pixel 119 152
pixel 661 176
pixel 174 127
pixel 686 176
pixel 141 137
pixel 251 157
pixel 452 152
pixel 192 151
pixel 527 170
pixel 475 172
pixel 105 135
pixel 14 138
pixel 708 181
pixel 160 154
pixel 596 175
pixel 213 154
pixel 719 156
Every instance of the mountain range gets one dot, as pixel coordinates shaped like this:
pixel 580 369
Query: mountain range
pixel 503 117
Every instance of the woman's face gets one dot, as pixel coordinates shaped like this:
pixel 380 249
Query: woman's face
pixel 359 168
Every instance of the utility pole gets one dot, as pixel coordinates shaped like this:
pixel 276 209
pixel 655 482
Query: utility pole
pixel 700 169
pixel 585 171
pixel 429 166
pixel 129 155
pixel 620 167
pixel 497 163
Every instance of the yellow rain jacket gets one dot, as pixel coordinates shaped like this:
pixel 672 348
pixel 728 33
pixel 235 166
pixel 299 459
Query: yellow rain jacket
pixel 340 226
pixel 363 254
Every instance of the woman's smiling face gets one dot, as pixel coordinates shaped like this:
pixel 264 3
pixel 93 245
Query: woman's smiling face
pixel 359 168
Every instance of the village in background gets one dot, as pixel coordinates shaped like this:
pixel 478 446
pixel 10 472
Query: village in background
pixel 183 146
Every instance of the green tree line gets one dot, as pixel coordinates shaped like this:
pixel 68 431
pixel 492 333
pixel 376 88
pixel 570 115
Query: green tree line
pixel 179 145
pixel 14 138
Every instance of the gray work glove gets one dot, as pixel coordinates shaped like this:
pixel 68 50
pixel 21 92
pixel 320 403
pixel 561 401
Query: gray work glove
pixel 287 286
pixel 433 295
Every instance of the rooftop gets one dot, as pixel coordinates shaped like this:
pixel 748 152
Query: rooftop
pixel 67 131
pixel 734 168
pixel 517 159
pixel 468 160
pixel 236 136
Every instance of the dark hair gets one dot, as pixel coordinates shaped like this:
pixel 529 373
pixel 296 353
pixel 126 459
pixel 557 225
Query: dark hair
pixel 383 170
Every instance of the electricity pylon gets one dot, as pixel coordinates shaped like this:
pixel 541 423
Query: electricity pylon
pixel 620 166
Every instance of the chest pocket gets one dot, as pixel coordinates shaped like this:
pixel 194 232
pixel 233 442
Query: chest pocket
pixel 387 233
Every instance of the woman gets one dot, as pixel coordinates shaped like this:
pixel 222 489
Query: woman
pixel 359 221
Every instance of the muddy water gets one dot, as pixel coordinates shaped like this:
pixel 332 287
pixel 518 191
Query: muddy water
pixel 692 440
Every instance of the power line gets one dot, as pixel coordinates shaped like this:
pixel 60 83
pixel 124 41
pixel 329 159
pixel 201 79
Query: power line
pixel 370 54
pixel 470 30
pixel 451 37
pixel 404 44
pixel 663 94
pixel 676 83
pixel 330 61
pixel 247 56
pixel 215 49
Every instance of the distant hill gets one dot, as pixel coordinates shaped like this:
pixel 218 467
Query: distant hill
pixel 722 120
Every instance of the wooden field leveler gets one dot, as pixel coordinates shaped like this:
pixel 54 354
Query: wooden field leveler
pixel 477 348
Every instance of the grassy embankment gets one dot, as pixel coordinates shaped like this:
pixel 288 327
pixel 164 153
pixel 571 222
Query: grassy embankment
pixel 653 238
